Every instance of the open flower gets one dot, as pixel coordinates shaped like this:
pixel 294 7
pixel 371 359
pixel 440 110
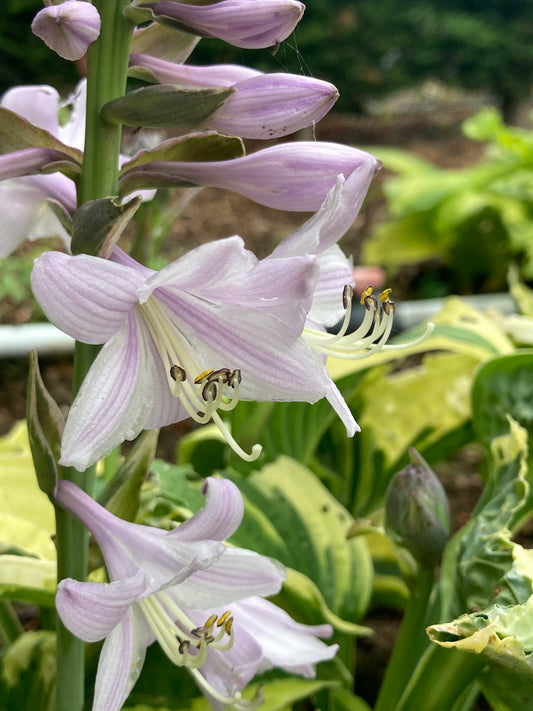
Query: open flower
pixel 176 587
pixel 30 205
pixel 68 28
pixel 214 326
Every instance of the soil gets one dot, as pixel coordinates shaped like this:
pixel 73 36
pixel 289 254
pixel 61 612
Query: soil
pixel 214 214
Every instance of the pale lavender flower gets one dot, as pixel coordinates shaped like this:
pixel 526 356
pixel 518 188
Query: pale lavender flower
pixel 68 28
pixel 29 206
pixel 215 326
pixel 290 176
pixel 333 294
pixel 185 589
pixel 251 24
pixel 263 105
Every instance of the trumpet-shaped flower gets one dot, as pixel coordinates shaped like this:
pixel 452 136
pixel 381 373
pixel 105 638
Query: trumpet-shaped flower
pixel 189 592
pixel 68 28
pixel 263 105
pixel 30 205
pixel 252 24
pixel 290 176
pixel 215 326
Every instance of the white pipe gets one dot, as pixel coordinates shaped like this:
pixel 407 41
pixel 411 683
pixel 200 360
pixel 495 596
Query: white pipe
pixel 16 341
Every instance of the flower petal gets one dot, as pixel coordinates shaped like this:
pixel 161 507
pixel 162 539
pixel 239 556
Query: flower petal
pixel 335 272
pixel 188 75
pixel 237 574
pixel 38 104
pixel 92 610
pixel 219 518
pixel 121 661
pixel 114 400
pixel 284 642
pixel 87 297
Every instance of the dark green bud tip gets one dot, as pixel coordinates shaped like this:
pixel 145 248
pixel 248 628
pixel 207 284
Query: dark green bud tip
pixel 417 515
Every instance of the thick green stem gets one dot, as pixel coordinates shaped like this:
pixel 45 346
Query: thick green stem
pixel 107 65
pixel 403 659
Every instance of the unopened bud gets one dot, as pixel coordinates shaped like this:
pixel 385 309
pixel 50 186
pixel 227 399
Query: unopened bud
pixel 417 515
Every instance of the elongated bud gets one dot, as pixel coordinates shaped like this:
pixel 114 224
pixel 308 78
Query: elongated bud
pixel 163 71
pixel 274 105
pixel 290 176
pixel 416 512
pixel 68 28
pixel 252 25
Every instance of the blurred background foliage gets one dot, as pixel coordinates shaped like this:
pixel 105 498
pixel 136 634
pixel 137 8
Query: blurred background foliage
pixel 366 48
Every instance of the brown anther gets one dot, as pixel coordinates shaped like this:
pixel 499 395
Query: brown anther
pixel 389 307
pixel 177 372
pixel 384 296
pixel 235 377
pixel 347 295
pixel 203 375
pixel 210 390
pixel 200 632
pixel 222 375
pixel 184 646
pixel 223 618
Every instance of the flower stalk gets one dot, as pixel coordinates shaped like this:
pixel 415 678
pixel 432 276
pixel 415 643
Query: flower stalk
pixel 107 70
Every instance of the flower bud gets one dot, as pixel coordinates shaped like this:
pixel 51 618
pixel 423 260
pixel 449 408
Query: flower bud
pixel 243 23
pixel 417 515
pixel 68 28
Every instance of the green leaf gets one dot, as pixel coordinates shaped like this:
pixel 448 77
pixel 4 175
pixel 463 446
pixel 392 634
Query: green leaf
pixel 97 225
pixel 164 42
pixel 503 386
pixel 27 672
pixel 290 515
pixel 27 579
pixel 45 429
pixel 166 106
pixel 26 527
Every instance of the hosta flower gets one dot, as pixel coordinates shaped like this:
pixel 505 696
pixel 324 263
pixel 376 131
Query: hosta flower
pixel 289 176
pixel 68 28
pixel 215 326
pixel 189 592
pixel 29 206
pixel 251 24
pixel 333 293
pixel 263 105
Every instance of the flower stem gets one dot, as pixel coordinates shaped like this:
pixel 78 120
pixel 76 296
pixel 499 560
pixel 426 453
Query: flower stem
pixel 107 64
pixel 403 658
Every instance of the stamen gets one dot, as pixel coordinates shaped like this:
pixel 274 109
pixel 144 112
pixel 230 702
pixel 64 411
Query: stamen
pixel 177 373
pixel 208 392
pixel 371 335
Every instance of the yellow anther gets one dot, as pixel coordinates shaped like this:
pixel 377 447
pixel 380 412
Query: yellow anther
pixel 228 625
pixel 210 621
pixel 178 373
pixel 384 296
pixel 203 375
pixel 366 293
pixel 223 618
